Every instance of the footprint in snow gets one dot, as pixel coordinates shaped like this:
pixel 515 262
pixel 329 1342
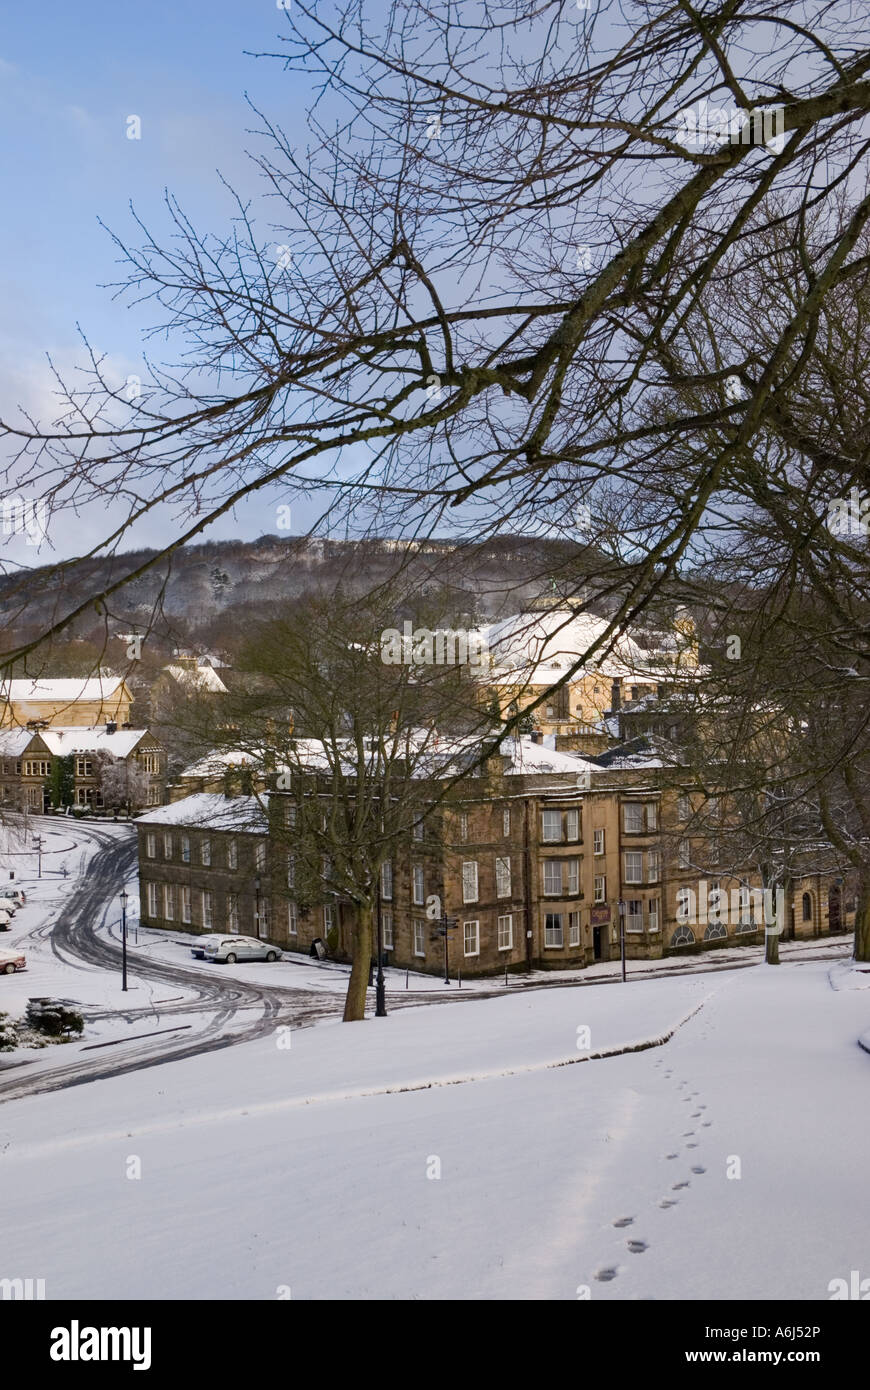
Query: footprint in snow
pixel 672 1155
pixel 692 1146
pixel 677 1185
pixel 699 1169
pixel 605 1275
pixel 637 1247
pixel 706 1123
pixel 624 1221
pixel 668 1202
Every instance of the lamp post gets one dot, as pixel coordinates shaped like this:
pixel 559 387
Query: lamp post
pixel 380 984
pixel 37 840
pixel 621 906
pixel 257 904
pixel 124 939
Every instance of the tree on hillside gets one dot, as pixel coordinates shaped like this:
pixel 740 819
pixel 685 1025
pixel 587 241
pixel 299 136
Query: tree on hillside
pixel 358 747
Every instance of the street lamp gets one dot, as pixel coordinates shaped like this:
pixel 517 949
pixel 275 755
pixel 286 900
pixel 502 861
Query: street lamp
pixel 621 905
pixel 257 904
pixel 124 939
pixel 380 984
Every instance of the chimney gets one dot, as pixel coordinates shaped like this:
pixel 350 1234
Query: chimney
pixel 111 726
pixel 537 736
pixel 615 695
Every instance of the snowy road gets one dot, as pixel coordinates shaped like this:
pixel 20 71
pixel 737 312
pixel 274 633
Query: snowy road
pixel 450 1152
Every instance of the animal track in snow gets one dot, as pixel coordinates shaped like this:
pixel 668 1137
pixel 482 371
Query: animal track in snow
pixel 624 1221
pixel 605 1275
pixel 699 1169
pixel 637 1247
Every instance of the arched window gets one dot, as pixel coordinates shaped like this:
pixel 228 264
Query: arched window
pixel 715 932
pixel 683 936
pixel 807 908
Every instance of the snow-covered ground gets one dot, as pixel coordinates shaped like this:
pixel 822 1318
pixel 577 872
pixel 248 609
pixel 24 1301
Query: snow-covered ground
pixel 449 1153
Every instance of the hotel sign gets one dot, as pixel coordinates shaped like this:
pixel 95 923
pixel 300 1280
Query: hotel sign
pixel 599 916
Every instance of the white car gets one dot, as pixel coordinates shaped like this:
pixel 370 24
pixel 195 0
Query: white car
pixel 9 905
pixel 228 949
pixel 16 894
pixel 5 921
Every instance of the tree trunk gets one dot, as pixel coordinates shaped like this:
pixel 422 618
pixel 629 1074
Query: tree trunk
pixel 862 922
pixel 773 930
pixel 355 1003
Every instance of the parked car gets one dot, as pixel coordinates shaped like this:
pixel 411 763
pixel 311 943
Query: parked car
pixel 15 894
pixel 229 949
pixel 204 944
pixel 5 920
pixel 10 961
pixel 9 905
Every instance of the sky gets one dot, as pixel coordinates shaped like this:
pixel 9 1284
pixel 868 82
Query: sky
pixel 70 77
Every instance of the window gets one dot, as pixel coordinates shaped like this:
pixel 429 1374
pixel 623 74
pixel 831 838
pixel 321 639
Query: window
pixel 292 920
pixel 683 936
pixel 263 921
pixel 387 879
pixel 151 846
pixel 572 824
pixel 684 854
pixel 652 866
pixel 806 908
pixel 463 826
pixel 502 877
pixel 168 902
pixel 185 849
pixel 552 878
pixel 571 877
pixel 232 912
pixel 715 932
pixel 328 917
pixel 419 937
pixel 654 914
pixel 290 815
pixel 84 767
pixel 598 842
pixel 185 902
pixel 471 934
pixel 634 914
pixel 40 767
pixel 150 762
pixel 418 829
pixel 715 901
pixel 207 918
pixel 553 929
pixel 506 822
pixel 291 871
pixel 684 807
pixel 232 854
pixel 652 816
pixel 152 900
pixel 260 856
pixel 153 798
pixel 551 827
pixel 632 817
pixel 573 928
pixel 167 846
pixel 419 895
pixel 387 930
pixel 505 932
pixel 469 881
pixel 685 904
pixel 600 894
pixel 205 853
pixel 633 867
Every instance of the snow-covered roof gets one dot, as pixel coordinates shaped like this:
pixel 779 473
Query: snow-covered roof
pixel 198 678
pixel 96 740
pixel 13 742
pixel 528 758
pixel 66 690
pixel 218 761
pixel 211 811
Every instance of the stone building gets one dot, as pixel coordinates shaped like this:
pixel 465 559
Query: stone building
pixel 70 702
pixel 540 864
pixel 80 767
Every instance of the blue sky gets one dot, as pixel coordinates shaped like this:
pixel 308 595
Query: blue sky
pixel 69 78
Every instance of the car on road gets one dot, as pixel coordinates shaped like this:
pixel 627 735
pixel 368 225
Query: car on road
pixel 10 961
pixel 228 949
pixel 16 894
pixel 5 920
pixel 8 904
